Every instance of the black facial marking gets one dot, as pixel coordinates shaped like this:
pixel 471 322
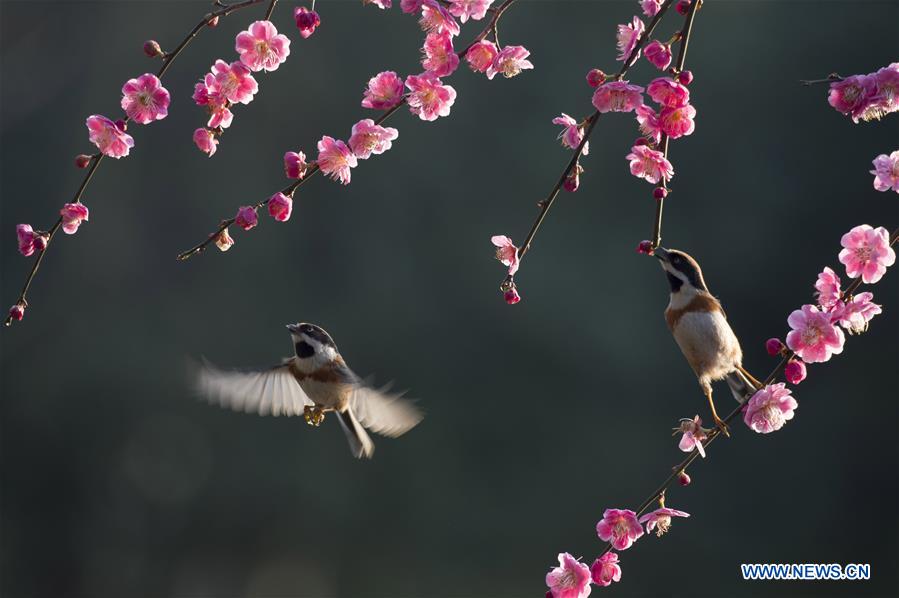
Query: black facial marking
pixel 316 333
pixel 688 266
pixel 304 349
pixel 674 281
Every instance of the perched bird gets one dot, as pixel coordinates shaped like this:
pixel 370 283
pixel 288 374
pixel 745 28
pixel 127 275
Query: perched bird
pixel 313 382
pixel 699 325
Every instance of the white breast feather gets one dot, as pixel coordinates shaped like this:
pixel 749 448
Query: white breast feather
pixel 706 338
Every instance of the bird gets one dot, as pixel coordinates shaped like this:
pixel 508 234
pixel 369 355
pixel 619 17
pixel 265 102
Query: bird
pixel 315 381
pixel 699 326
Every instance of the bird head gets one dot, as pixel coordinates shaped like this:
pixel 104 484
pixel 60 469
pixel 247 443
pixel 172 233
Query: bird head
pixel 312 343
pixel 683 272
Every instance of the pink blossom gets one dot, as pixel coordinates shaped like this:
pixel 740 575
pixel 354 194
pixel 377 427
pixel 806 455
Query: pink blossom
pixel 769 408
pixel 649 123
pixel 617 96
pixel 855 314
pixel 571 134
pixel 660 520
pixel 650 7
pixel 209 93
pixel 886 99
pixel 605 569
pixel 205 140
pixel 658 54
pixel 428 97
pixel 295 165
pixel 382 4
pixel 628 38
pixel 410 6
pixel 620 526
pixel 246 217
pixel 30 240
pixel 511 296
pixel 109 138
pixel 435 18
pixel 280 206
pixel 886 172
pixel 368 138
pixel 645 247
pixel 481 55
pixel 306 20
pixel 145 99
pixel 223 240
pixel 683 478
pixel 17 312
pixel 571 579
pixel 677 122
pixel 506 252
pixel 476 9
pixel 73 214
pixel 828 287
pixel 795 371
pixel 867 253
pixel 82 160
pixel 234 82
pixel 385 90
pixel 852 95
pixel 335 159
pixel 693 435
pixel 573 180
pixel 261 47
pixel 595 78
pixel 774 346
pixel 813 337
pixel 510 61
pixel 668 92
pixel 649 164
pixel 439 56
pixel 152 48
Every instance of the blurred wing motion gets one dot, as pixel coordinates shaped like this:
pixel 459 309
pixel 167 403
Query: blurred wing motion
pixel 382 412
pixel 273 391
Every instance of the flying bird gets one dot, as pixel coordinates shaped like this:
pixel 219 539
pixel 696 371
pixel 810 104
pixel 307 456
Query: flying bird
pixel 315 381
pixel 700 328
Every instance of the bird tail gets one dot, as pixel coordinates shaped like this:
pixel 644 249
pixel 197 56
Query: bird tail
pixel 740 385
pixel 361 444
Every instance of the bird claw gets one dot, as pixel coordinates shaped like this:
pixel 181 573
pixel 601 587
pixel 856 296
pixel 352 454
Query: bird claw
pixel 722 426
pixel 314 416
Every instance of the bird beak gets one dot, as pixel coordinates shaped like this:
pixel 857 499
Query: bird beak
pixel 661 253
pixel 294 328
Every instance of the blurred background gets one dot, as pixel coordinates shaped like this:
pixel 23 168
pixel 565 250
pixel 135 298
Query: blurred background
pixel 116 481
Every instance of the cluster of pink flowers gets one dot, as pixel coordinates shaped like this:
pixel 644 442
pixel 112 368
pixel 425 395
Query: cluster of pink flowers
pixel 694 435
pixel 260 48
pixel 886 172
pixel 867 97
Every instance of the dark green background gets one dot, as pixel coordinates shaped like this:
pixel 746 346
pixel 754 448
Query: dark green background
pixel 116 482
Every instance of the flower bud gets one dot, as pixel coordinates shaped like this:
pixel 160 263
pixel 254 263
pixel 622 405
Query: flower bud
pixel 683 479
pixel 660 193
pixel 223 240
pixel 774 346
pixel 17 312
pixel 645 247
pixel 685 77
pixel 246 217
pixel 121 125
pixel 152 49
pixel 511 296
pixel 641 141
pixel 82 160
pixel 595 78
pixel 213 22
pixel 682 7
pixel 795 371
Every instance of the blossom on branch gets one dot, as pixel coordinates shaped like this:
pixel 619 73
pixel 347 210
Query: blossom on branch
pixel 306 20
pixel 439 56
pixel 465 9
pixel 428 97
pixel 813 337
pixel 660 520
pixel 30 240
pixel 571 134
pixel 649 164
pixel 617 96
pixel 867 253
pixel 510 61
pixel 506 253
pixel 280 206
pixel 367 138
pixel 769 408
pixel 295 165
pixel 73 214
pixel 335 159
pixel 261 47
pixel 109 137
pixel 145 99
pixel 571 579
pixel 628 37
pixel 620 527
pixel 886 172
pixel 481 55
pixel 605 569
pixel 384 91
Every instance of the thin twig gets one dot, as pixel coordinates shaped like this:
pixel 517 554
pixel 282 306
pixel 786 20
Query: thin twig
pixel 829 79
pixel 270 10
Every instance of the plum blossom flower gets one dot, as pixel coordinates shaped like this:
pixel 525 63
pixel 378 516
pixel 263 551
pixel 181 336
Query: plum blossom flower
pixel 246 217
pixel 887 97
pixel 886 172
pixel 385 90
pixel 650 7
pixel 668 92
pixel 261 47
pixel 693 435
pixel 439 56
pixel 465 9
pixel 855 314
pixel 280 206
pixel 571 579
pixel 660 520
pixel 368 138
pixel 295 165
pixel 109 137
pixel 795 371
pixel 233 81
pixel 481 55
pixel 620 526
pixel 774 346
pixel 649 123
pixel 605 569
pixel 649 164
pixel 435 18
pixel 867 253
pixel 628 37
pixel 683 478
pixel 813 337
pixel 677 122
pixel 617 96
pixel 571 134
pixel 506 252
pixel 410 6
pixel 73 214
pixel 306 20
pixel 769 408
pixel 828 287
pixel 511 295
pixel 658 54
pixel 510 61
pixel 223 240
pixel 145 99
pixel 30 240
pixel 382 4
pixel 428 97
pixel 17 312
pixel 208 93
pixel 595 78
pixel 335 159
pixel 205 140
pixel 852 95
pixel 573 180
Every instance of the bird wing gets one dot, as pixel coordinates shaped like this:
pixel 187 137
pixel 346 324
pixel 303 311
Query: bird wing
pixel 384 412
pixel 272 391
